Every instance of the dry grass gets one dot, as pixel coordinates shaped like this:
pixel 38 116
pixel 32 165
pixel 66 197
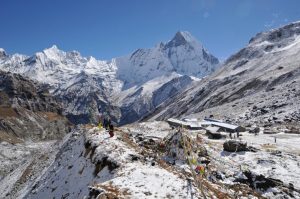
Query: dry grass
pixel 12 139
pixel 89 126
pixel 125 138
pixel 114 192
pixel 268 146
pixel 148 152
pixel 51 116
pixel 29 171
pixel 171 169
pixel 7 112
pixel 245 190
pixel 26 174
pixel 215 190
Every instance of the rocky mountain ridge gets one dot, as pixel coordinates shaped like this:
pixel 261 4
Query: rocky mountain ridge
pixel 83 84
pixel 258 84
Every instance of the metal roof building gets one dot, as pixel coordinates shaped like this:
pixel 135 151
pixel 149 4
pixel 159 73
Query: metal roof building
pixel 224 126
pixel 195 125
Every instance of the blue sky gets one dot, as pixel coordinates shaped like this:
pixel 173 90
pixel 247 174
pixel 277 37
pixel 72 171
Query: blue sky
pixel 111 28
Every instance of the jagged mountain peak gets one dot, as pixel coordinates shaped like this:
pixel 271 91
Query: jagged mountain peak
pixel 182 38
pixel 53 47
pixel 53 52
pixel 2 53
pixel 185 35
pixel 92 60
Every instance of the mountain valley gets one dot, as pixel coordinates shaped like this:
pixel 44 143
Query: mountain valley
pixel 53 147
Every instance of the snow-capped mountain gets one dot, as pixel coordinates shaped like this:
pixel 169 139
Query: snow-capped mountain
pixel 258 84
pixel 183 55
pixel 84 83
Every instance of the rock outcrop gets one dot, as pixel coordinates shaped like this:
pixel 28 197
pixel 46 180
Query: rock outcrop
pixel 28 111
pixel 234 146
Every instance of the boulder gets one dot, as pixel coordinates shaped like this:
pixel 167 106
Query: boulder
pixel 269 131
pixel 234 146
pixel 252 149
pixel 277 153
pixel 254 130
pixel 292 130
pixel 258 182
pixel 265 161
pixel 202 152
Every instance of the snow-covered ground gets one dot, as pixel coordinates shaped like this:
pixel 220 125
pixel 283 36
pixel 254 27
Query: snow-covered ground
pixel 280 160
pixel 155 129
pixel 91 160
pixel 131 165
pixel 145 181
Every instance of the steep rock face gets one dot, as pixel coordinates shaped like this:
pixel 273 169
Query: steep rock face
pixel 189 57
pixel 28 111
pixel 170 89
pixel 85 84
pixel 260 83
pixel 138 103
pixel 82 96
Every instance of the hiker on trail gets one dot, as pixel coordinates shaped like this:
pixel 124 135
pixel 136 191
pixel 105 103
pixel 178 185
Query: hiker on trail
pixel 105 123
pixel 111 130
pixel 99 118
